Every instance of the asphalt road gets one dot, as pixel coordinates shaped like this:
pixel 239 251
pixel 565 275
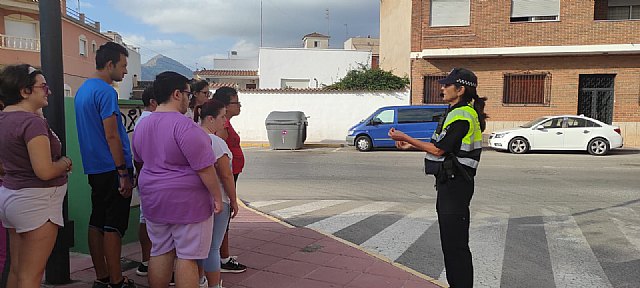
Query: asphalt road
pixel 538 220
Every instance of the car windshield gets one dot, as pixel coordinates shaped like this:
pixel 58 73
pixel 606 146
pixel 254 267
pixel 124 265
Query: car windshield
pixel 534 122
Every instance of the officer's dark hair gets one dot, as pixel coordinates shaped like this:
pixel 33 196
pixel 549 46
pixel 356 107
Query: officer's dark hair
pixel 13 79
pixel 147 96
pixel 209 108
pixel 224 94
pixel 166 83
pixel 471 94
pixel 109 51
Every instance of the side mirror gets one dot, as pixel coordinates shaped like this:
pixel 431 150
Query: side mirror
pixel 376 121
pixel 539 127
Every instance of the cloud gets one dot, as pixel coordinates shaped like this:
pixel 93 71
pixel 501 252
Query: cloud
pixel 284 21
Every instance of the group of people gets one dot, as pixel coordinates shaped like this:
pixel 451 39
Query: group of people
pixel 185 160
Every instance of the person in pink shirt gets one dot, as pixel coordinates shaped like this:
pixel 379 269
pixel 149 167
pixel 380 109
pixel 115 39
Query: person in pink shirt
pixel 178 185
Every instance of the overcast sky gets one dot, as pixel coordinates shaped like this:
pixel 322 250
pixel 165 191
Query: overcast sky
pixel 195 31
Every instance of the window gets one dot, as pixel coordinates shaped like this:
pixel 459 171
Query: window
pixel 624 12
pixel 385 117
pixel 580 123
pixel 294 83
pixel 432 92
pixel 420 115
pixel 22 33
pixel 83 45
pixel 315 44
pixel 553 123
pixel 450 13
pixel 534 10
pixel 250 86
pixel 526 88
pixel 93 47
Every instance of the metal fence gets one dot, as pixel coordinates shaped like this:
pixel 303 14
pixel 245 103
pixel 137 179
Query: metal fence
pixel 528 88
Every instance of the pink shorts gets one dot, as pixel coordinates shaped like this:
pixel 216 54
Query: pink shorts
pixel 29 208
pixel 191 241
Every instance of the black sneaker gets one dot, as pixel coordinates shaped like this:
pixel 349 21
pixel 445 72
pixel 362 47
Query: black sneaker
pixel 142 270
pixel 232 266
pixel 100 284
pixel 173 279
pixel 126 283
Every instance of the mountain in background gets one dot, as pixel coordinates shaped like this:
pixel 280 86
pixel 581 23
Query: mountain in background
pixel 161 63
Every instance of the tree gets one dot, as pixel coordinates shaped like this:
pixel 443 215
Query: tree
pixel 368 79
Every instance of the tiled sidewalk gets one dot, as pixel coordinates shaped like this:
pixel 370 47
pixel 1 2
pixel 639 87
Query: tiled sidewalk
pixel 281 256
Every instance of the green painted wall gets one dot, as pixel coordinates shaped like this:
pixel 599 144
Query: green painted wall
pixel 78 188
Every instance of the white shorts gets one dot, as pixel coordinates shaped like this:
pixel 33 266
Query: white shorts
pixel 29 208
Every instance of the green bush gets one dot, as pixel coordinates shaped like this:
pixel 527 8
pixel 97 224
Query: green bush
pixel 367 79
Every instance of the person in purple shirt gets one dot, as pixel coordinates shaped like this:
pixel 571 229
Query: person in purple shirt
pixel 178 185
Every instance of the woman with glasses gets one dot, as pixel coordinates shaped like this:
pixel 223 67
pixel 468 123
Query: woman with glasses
pixel 201 93
pixel 36 174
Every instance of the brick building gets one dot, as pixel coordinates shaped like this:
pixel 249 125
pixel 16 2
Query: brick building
pixel 534 58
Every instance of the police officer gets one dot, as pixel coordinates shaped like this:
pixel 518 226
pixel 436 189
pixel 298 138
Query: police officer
pixel 453 156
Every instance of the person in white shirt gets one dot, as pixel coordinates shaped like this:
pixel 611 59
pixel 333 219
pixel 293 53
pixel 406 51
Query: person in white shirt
pixel 212 117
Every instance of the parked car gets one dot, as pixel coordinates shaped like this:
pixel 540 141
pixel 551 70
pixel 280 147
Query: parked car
pixel 418 121
pixel 565 132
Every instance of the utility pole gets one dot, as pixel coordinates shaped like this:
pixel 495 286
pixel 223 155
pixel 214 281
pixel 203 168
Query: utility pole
pixel 58 267
pixel 260 23
pixel 328 26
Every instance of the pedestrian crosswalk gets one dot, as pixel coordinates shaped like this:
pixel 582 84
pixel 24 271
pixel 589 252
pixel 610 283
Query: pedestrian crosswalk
pixel 540 246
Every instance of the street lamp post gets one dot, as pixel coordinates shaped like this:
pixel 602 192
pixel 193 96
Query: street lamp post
pixel 58 266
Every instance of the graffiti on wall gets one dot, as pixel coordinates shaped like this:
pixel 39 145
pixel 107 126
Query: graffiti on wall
pixel 129 117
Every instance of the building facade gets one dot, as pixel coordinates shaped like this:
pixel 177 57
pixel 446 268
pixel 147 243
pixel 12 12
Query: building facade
pixel 552 57
pixel 395 36
pixel 81 38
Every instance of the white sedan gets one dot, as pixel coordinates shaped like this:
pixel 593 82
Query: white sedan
pixel 566 132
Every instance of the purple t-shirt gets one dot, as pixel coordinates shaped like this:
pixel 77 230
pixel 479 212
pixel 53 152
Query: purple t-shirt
pixel 17 128
pixel 173 148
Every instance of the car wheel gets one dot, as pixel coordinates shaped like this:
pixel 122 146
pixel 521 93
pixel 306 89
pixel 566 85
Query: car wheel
pixel 518 145
pixel 598 146
pixel 363 143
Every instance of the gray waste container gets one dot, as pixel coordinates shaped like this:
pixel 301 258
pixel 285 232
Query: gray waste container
pixel 286 129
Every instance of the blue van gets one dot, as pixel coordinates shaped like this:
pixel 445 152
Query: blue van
pixel 418 121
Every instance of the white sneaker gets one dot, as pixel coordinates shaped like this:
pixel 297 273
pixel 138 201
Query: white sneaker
pixel 204 283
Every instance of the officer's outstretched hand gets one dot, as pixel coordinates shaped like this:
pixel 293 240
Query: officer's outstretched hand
pixel 403 145
pixel 397 135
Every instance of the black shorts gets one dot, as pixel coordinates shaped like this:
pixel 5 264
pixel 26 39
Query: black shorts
pixel 109 210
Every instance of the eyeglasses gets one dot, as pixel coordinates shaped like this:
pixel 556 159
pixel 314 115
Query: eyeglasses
pixel 208 93
pixel 44 87
pixel 238 102
pixel 189 94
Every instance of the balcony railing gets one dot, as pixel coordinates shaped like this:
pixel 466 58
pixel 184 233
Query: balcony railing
pixel 82 19
pixel 19 43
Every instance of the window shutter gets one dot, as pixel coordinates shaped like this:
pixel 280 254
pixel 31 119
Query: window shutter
pixel 450 12
pixel 531 8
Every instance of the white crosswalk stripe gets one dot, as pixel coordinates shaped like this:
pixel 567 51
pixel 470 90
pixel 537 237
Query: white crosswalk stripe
pixel 306 208
pixel 398 237
pixel 343 220
pixel 568 246
pixel 258 204
pixel 626 219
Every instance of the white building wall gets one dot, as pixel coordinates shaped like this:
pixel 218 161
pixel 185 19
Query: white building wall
pixel 331 113
pixel 134 67
pixel 327 66
pixel 235 64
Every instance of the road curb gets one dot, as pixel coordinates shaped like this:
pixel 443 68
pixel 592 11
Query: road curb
pixel 306 145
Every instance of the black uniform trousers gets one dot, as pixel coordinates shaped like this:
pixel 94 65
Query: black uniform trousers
pixel 454 197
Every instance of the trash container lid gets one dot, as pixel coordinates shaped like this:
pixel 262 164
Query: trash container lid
pixel 286 117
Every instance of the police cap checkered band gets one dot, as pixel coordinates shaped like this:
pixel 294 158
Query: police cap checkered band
pixel 461 76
